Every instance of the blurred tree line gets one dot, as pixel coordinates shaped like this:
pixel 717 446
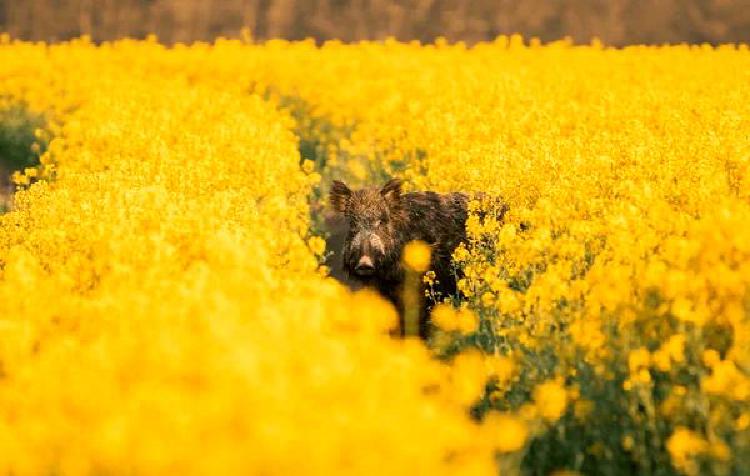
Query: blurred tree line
pixel 616 22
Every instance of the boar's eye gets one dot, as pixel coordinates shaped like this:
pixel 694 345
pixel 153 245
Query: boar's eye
pixel 382 221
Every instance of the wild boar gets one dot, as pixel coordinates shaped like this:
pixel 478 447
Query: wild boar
pixel 382 220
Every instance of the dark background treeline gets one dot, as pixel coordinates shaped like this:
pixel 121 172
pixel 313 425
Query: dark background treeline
pixel 616 22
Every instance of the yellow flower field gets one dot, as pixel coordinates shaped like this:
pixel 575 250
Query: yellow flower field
pixel 163 308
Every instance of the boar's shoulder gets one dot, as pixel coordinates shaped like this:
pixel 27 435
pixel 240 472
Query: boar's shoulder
pixel 436 218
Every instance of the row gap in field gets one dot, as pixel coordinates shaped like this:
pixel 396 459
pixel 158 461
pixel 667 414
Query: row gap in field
pixel 20 145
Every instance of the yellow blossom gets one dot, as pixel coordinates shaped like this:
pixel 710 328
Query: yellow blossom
pixel 684 446
pixel 551 400
pixel 317 245
pixel 308 166
pixel 508 433
pixel 466 321
pixel 444 316
pixel 417 256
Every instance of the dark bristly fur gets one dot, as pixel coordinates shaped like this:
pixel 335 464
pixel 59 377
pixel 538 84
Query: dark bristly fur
pixel 381 221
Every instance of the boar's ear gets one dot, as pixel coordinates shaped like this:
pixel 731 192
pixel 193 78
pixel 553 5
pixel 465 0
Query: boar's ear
pixel 391 191
pixel 339 196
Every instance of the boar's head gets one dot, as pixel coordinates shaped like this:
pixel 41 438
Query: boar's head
pixel 374 215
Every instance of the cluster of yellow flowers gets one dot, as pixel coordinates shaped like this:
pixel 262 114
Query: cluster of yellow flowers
pixel 162 306
pixel 161 286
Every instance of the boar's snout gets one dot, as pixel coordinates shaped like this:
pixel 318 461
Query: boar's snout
pixel 365 250
pixel 365 266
